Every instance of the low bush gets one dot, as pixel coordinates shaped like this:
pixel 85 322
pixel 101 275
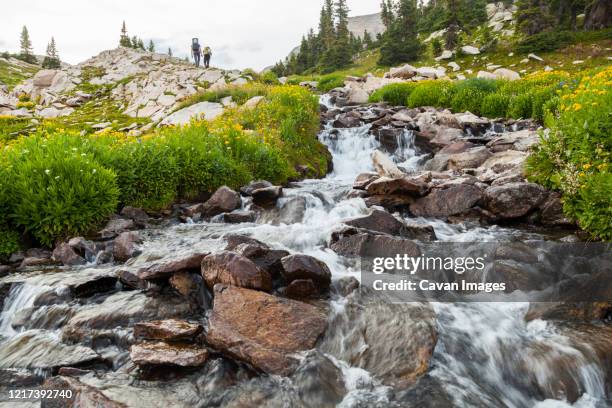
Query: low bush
pixel 329 82
pixel 431 93
pixel 57 190
pixel 544 41
pixel 575 157
pixel 395 94
pixel 520 106
pixel 494 105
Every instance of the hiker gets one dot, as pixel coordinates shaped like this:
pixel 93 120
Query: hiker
pixel 207 53
pixel 196 51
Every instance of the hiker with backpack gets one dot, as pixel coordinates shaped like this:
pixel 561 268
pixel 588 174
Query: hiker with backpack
pixel 207 53
pixel 196 51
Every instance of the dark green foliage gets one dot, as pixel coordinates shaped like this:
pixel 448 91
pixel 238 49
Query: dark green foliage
pixel 545 41
pixel 329 82
pixel 494 105
pixel 400 42
pixel 51 60
pixel 56 189
pixel 26 47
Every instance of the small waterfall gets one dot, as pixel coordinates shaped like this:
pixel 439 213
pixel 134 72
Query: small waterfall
pixel 20 297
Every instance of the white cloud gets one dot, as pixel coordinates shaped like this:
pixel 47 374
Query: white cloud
pixel 242 33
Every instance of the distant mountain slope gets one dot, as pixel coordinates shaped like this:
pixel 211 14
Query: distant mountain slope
pixel 370 22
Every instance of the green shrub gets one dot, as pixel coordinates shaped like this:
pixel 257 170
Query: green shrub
pixel 494 105
pixel 431 93
pixel 544 41
pixel 539 98
pixel 9 242
pixel 575 157
pixel 56 190
pixel 329 82
pixel 395 94
pixel 520 106
pixel 147 171
pixel 468 99
pixel 269 78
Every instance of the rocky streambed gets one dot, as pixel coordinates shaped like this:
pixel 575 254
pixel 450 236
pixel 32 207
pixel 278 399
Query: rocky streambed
pixel 252 298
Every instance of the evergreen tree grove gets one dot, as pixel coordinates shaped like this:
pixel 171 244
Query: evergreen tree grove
pixel 400 42
pixel 151 46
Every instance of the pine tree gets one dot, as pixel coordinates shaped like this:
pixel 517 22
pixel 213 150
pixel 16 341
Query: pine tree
pixel 341 47
pixel 367 40
pixel 134 42
pixel 533 16
pixel 26 47
pixel 400 42
pixel 124 40
pixel 169 51
pixel 140 44
pixel 151 46
pixel 51 60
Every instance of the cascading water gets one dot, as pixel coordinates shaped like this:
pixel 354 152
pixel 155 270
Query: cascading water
pixel 476 360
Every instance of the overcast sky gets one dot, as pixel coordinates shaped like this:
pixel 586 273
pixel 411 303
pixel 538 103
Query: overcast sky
pixel 241 33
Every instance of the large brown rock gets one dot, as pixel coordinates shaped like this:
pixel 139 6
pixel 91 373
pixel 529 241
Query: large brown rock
pixel 403 185
pixel 454 200
pixel 371 245
pixel 224 200
pixel 189 285
pixel 514 200
pixel 381 221
pixel 263 330
pixel 65 254
pixel 231 268
pixel 469 159
pixel 267 197
pixel 166 330
pixel 160 353
pixel 297 267
pixel 126 246
pixel 166 268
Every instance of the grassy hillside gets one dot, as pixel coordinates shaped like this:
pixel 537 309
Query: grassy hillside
pixel 13 72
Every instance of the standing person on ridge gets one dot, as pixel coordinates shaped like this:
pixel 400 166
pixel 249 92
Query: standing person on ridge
pixel 196 51
pixel 207 53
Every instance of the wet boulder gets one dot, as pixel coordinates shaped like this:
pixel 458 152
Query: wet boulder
pixel 38 350
pixel 254 185
pixel 239 217
pixel 305 267
pixel 345 285
pixel 402 185
pixel 364 179
pixel 165 268
pixel 383 222
pixel 222 201
pixel 454 200
pixel 552 211
pixel 167 330
pixel 161 353
pixel 389 138
pixel 189 285
pixel 126 246
pixel 319 381
pixel 116 226
pixel 66 255
pixel 400 338
pixel 300 289
pixel 237 328
pixel 373 245
pixel 82 394
pixel 267 197
pixel 384 165
pixel 233 269
pixel 138 215
pixel 348 120
pixel 264 257
pixel 514 200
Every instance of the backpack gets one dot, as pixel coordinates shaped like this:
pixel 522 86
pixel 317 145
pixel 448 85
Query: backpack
pixel 207 50
pixel 195 47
